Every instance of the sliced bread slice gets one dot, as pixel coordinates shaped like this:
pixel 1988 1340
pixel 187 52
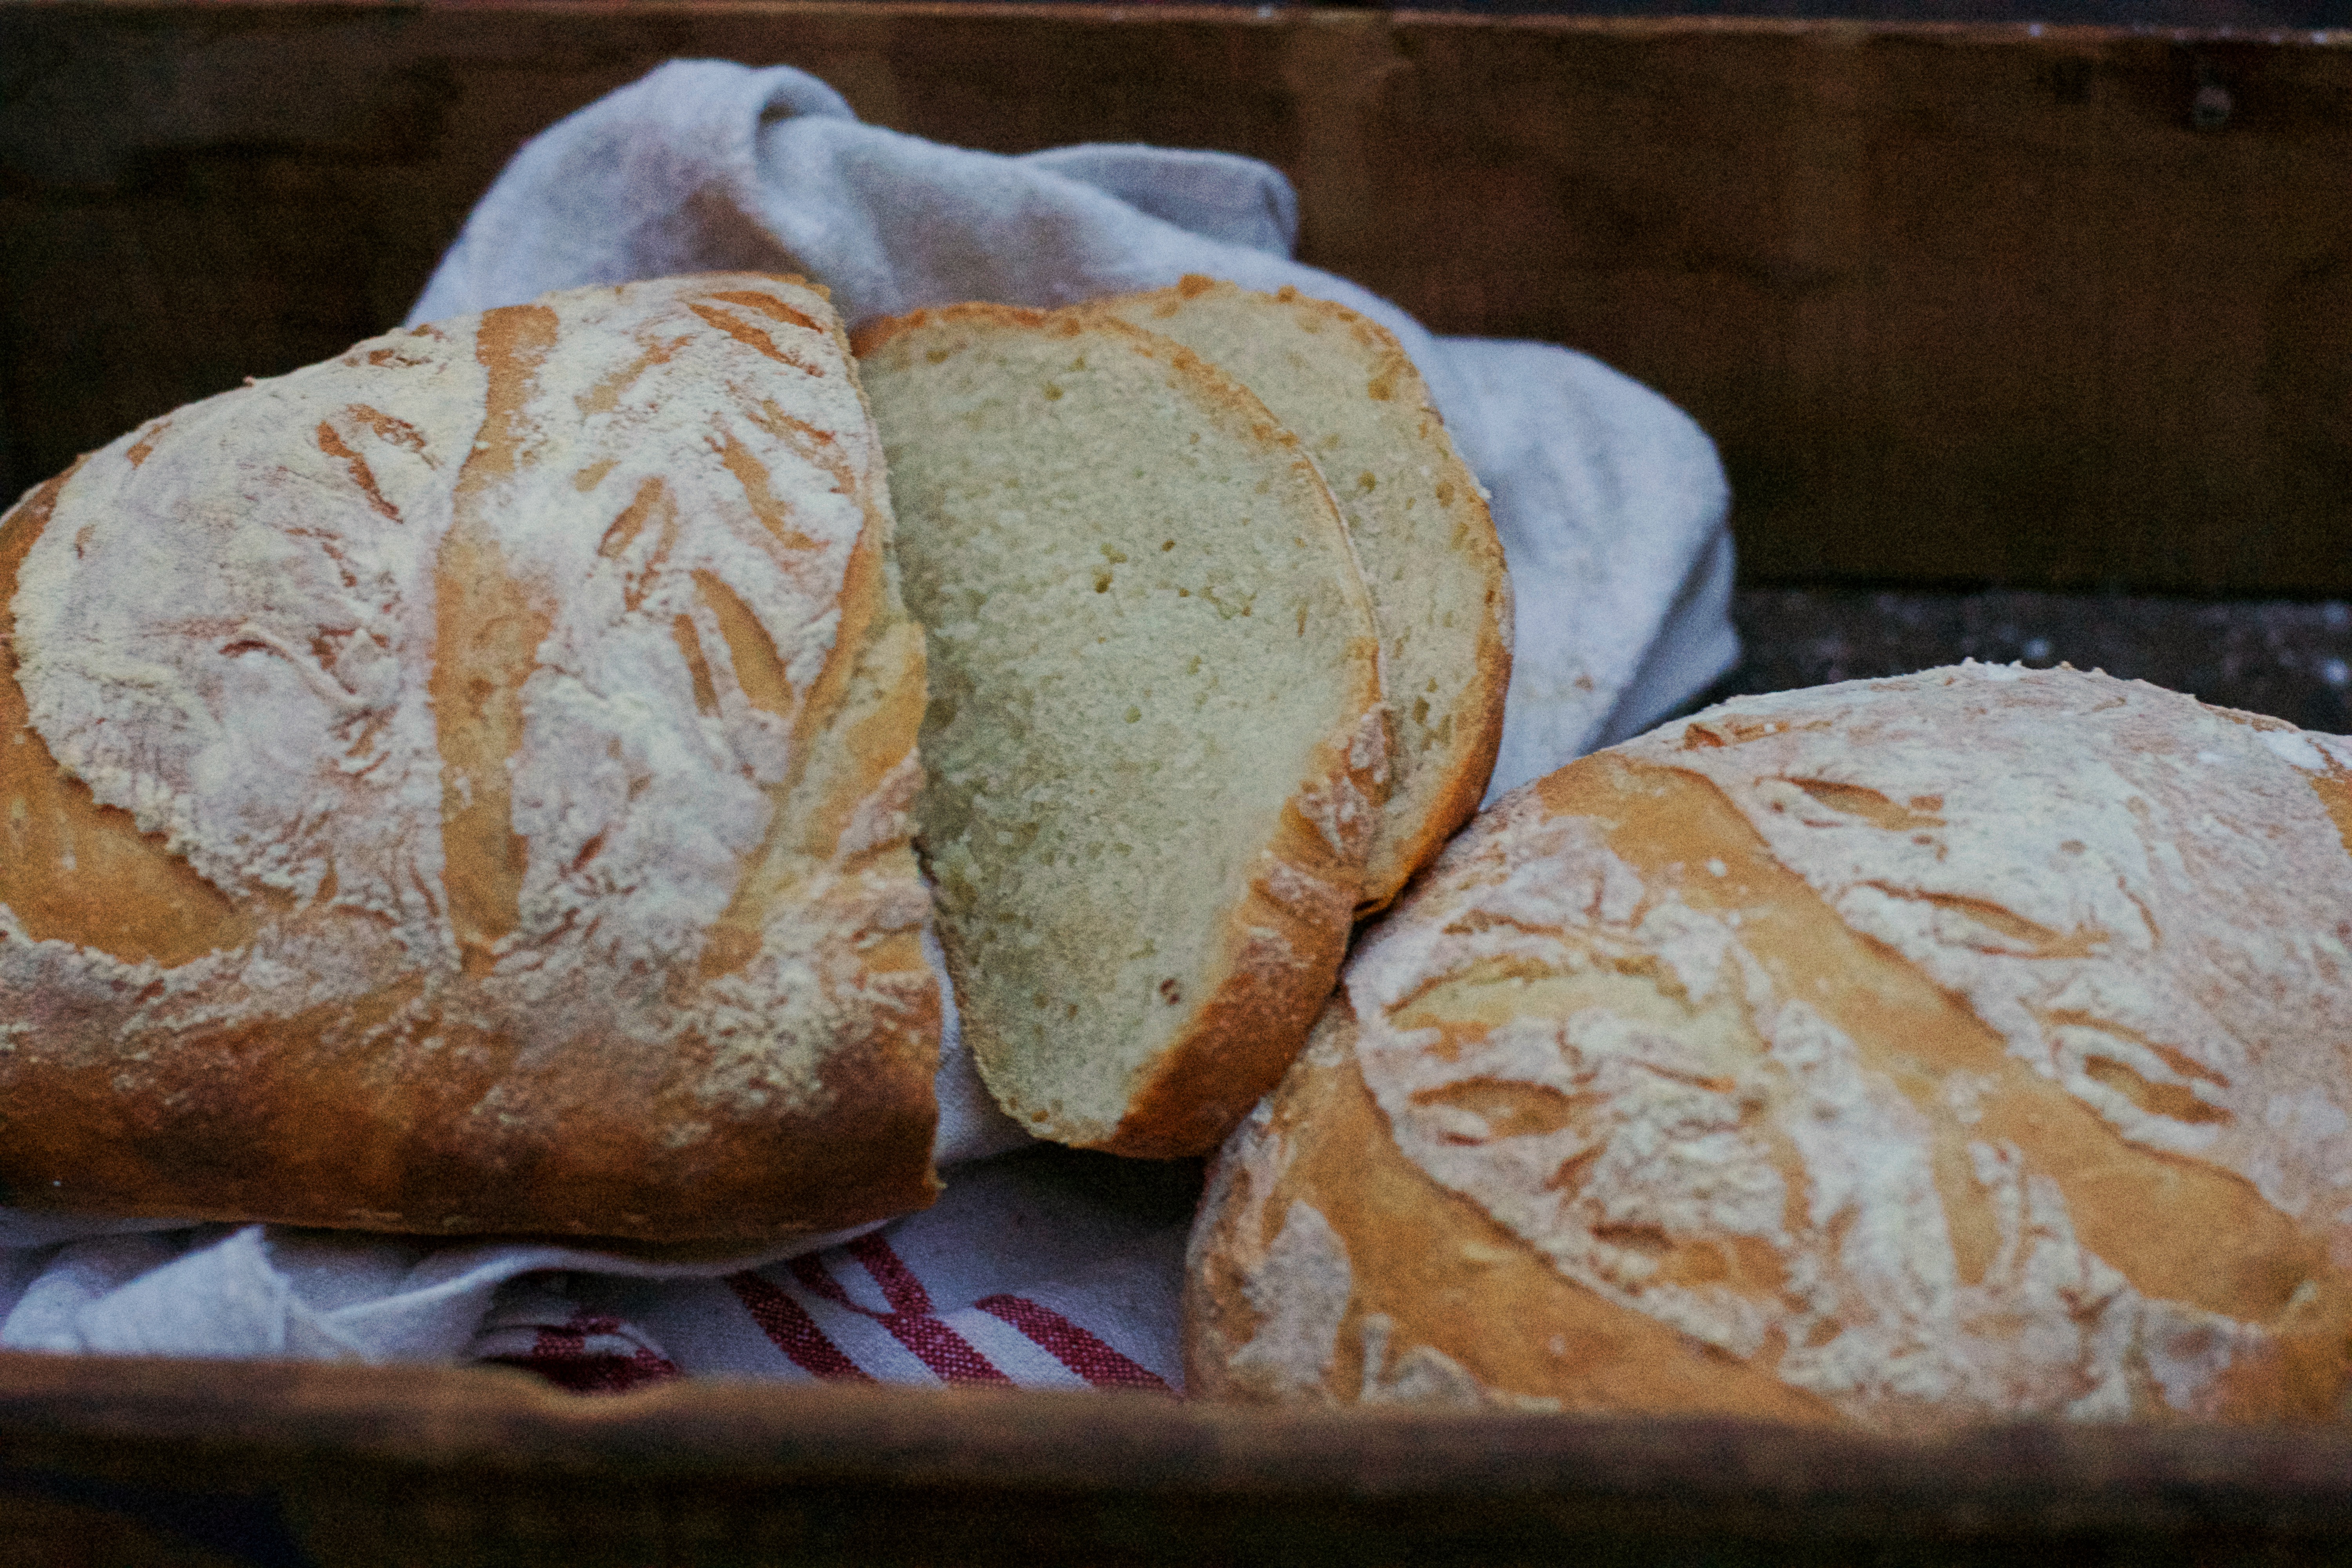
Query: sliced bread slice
pixel 1154 751
pixel 1419 519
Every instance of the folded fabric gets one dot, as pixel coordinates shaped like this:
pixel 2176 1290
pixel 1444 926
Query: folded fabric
pixel 1609 502
pixel 1036 1266
pixel 1040 1268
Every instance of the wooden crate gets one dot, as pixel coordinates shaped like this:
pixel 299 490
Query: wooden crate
pixel 2051 308
pixel 127 1462
pixel 1961 303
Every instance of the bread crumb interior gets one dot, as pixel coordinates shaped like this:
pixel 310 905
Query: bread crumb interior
pixel 1133 653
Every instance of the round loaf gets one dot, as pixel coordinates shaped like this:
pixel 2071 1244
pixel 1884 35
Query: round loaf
pixel 1418 519
pixel 1973 1044
pixel 1154 748
pixel 465 786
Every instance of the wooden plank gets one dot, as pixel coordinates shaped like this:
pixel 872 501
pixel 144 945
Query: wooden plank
pixel 1961 303
pixel 357 1464
pixel 1958 305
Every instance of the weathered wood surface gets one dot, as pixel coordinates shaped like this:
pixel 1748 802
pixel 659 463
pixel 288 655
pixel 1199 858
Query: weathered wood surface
pixel 1961 303
pixel 355 1465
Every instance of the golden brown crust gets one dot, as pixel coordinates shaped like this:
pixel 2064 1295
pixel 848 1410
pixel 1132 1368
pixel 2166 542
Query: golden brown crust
pixel 75 870
pixel 871 336
pixel 510 1025
pixel 1962 1047
pixel 1430 1273
pixel 1434 796
pixel 1478 727
pixel 2130 1204
pixel 302 1121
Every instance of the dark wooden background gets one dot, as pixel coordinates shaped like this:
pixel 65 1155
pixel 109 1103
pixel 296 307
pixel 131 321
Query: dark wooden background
pixel 1990 305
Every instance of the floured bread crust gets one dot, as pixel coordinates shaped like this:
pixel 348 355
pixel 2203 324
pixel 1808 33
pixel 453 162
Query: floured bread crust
pixel 1127 982
pixel 1419 520
pixel 1967 1046
pixel 465 786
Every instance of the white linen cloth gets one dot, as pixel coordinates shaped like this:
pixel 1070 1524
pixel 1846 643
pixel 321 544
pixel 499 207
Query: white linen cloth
pixel 1034 1267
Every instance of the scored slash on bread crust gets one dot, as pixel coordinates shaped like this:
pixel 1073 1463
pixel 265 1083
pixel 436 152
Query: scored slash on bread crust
pixel 1419 520
pixel 1963 1047
pixel 1154 749
pixel 465 787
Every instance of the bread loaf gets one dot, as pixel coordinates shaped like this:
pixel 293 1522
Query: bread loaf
pixel 1971 1044
pixel 464 787
pixel 1154 745
pixel 1419 523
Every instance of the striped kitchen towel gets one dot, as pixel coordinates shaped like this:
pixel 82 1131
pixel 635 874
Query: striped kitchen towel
pixel 1042 1270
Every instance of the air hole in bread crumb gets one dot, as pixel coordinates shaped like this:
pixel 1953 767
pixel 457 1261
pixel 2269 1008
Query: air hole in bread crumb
pixel 1134 715
pixel 1167 544
pixel 1102 581
pixel 1169 992
pixel 1053 392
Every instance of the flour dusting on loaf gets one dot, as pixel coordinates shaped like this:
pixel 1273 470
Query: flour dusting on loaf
pixel 466 785
pixel 1969 1045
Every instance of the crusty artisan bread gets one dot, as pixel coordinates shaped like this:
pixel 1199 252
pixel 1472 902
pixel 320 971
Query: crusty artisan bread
pixel 465 786
pixel 1154 745
pixel 1420 525
pixel 1971 1045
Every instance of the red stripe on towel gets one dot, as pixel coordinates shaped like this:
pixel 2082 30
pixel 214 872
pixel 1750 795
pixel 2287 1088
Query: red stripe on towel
pixel 789 1328
pixel 948 1355
pixel 899 1287
pixel 563 1358
pixel 1073 1346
